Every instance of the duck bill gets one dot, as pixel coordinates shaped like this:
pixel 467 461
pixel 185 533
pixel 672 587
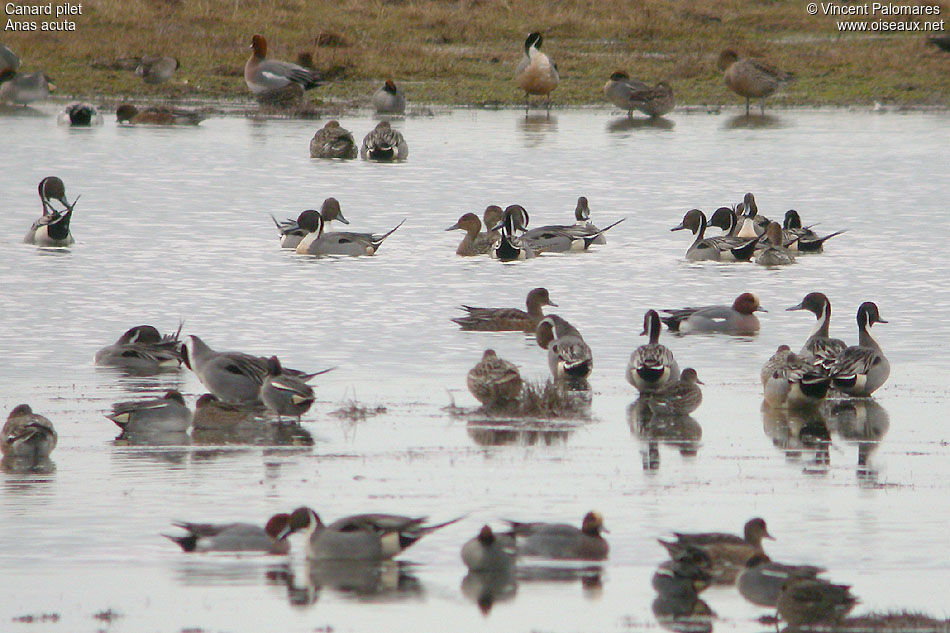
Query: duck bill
pixel 678 227
pixel 800 306
pixel 284 533
pixel 454 227
pixel 760 309
pixel 339 218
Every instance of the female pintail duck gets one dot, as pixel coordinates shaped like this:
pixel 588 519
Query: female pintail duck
pixel 716 249
pixel 761 581
pixel 802 239
pixel 156 69
pixel 562 541
pixel 494 381
pixel 813 600
pixel 52 228
pixel 751 78
pixel 389 99
pixel 536 74
pixel 632 94
pixel 820 348
pixel 729 553
pixel 569 357
pixel 790 381
pixel 292 231
pixel 511 247
pixel 318 242
pixel 263 75
pixel 384 144
pixel 24 88
pixel 142 349
pixel 167 414
pixel 233 537
pixel 476 241
pixel 861 369
pixel 775 253
pixel 333 141
pixel 652 366
pixel 681 397
pixel 489 551
pixel 739 318
pixel 27 435
pixel 507 319
pixel 211 414
pixel 80 115
pixel 285 394
pixel 582 220
pixel 157 115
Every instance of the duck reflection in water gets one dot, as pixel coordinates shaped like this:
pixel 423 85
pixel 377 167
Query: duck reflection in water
pixel 754 122
pixel 515 433
pixel 485 588
pixel 536 128
pixel 680 431
pixel 861 421
pixel 677 605
pixel 799 432
pixel 369 581
pixel 624 124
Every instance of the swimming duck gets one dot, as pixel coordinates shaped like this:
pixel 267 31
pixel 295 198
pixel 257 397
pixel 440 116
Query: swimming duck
pixel 263 75
pixel 775 254
pixel 475 241
pixel 761 581
pixel 142 349
pixel 751 78
pixel 582 220
pixel 729 553
pixel 562 238
pixel 156 69
pixel 511 247
pixel 233 537
pixel 681 576
pixel 790 381
pixel 632 94
pixel 507 319
pixel 292 231
pixel 211 414
pixel 333 141
pixel 681 397
pixel 24 88
pixel 52 228
pixel 283 393
pixel 751 223
pixel 739 318
pixel 820 347
pixel 717 249
pixel 861 369
pixel 569 357
pixel 812 600
pixel 562 541
pixel 157 115
pixel 167 414
pixel 494 381
pixel 389 99
pixel 803 239
pixel 536 74
pixel 384 144
pixel 80 115
pixel 652 366
pixel 318 242
pixel 27 435
pixel 489 551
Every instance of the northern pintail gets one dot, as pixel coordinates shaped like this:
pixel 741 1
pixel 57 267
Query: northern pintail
pixel 475 242
pixel 318 242
pixel 142 349
pixel 813 600
pixel 292 232
pixel 80 115
pixel 790 381
pixel 582 220
pixel 384 144
pixel 725 219
pixel 167 414
pixel 333 141
pixel 285 394
pixel 27 435
pixel 233 537
pixel 681 397
pixel 562 238
pixel 536 73
pixel 263 75
pixel 751 78
pixel 489 551
pixel 652 366
pixel 156 69
pixel 761 581
pixel 157 115
pixel 861 369
pixel 211 414
pixel 52 228
pixel 728 553
pixel 507 319
pixel 633 94
pixel 24 88
pixel 803 239
pixel 561 540
pixel 775 253
pixel 820 347
pixel 494 381
pixel 511 247
pixel 389 99
pixel 721 248
pixel 752 224
pixel 739 318
pixel 569 356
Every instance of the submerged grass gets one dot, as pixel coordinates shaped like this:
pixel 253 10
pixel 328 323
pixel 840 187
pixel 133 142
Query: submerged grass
pixel 465 51
pixel 353 411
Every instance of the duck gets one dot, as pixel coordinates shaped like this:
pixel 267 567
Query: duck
pixel 156 115
pixel 751 78
pixel 318 242
pixel 752 223
pixel 156 69
pixel 729 553
pixel 678 398
pixel 510 247
pixel 476 241
pixel 488 551
pixel 536 73
pixel 80 115
pixel 233 537
pixel 333 141
pixel 569 357
pixel 582 220
pixel 652 366
pixel 803 239
pixel 790 381
pixel 24 88
pixel 142 349
pixel 562 541
pixel 167 414
pixel 263 75
pixel 633 94
pixel 507 319
pixel 813 600
pixel 737 319
pixel 820 347
pixel 212 414
pixel 775 253
pixel 389 99
pixel 721 248
pixel 761 581
pixel 678 587
pixel 384 144
pixel 292 231
pixel 563 238
pixel 52 228
pixel 285 394
pixel 494 381
pixel 27 435
pixel 9 61
pixel 861 369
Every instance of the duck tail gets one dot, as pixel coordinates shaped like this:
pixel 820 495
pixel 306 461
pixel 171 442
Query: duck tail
pixel 187 543
pixel 378 240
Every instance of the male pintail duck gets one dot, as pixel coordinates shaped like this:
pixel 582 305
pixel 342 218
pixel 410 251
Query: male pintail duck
pixel 52 228
pixel 24 88
pixel 813 601
pixel 263 75
pixel 27 435
pixel 167 414
pixel 861 369
pixel 716 249
pixel 681 397
pixel 790 381
pixel 292 231
pixel 761 581
pixel 157 115
pixel 561 238
pixel 729 553
pixel 775 253
pixel 318 242
pixel 384 144
pixel 802 239
pixel 142 349
pixel 751 78
pixel 80 115
pixel 632 94
pixel 727 220
pixel 8 59
pixel 652 366
pixel 489 551
pixel 494 381
pixel 389 99
pixel 569 356
pixel 582 220
pixel 510 247
pixel 562 541
pixel 233 537
pixel 507 319
pixel 536 74
pixel 333 141
pixel 751 223
pixel 739 318
pixel 285 394
pixel 820 348
pixel 476 241
pixel 156 69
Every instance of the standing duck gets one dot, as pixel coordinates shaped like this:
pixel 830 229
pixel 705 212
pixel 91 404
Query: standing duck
pixel 861 369
pixel 721 248
pixel 652 366
pixel 494 381
pixel 507 319
pixel 562 541
pixel 333 141
pixel 681 397
pixel 632 94
pixel 820 347
pixel 285 394
pixel 384 144
pixel 751 78
pixel 52 228
pixel 389 99
pixel 790 381
pixel 536 74
pixel 738 319
pixel 27 436
pixel 264 75
pixel 569 356
pixel 156 69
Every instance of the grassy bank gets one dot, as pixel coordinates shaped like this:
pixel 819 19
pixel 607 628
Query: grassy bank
pixel 464 51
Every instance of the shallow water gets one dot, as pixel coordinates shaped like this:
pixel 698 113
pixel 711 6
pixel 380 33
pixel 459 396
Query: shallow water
pixel 174 224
